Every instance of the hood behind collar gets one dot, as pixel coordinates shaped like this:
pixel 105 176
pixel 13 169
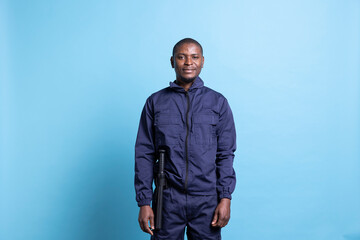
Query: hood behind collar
pixel 198 83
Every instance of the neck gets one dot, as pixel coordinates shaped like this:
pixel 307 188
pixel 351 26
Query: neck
pixel 185 85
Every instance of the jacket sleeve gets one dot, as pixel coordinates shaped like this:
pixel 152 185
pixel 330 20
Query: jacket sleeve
pixel 145 156
pixel 226 178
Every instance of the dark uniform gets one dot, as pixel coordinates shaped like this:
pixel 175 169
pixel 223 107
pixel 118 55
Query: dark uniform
pixel 197 127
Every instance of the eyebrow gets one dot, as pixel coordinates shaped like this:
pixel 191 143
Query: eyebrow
pixel 188 54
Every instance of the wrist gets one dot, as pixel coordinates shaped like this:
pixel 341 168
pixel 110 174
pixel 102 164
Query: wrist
pixel 144 206
pixel 225 200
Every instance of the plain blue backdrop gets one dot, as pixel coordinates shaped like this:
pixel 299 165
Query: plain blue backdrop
pixel 74 77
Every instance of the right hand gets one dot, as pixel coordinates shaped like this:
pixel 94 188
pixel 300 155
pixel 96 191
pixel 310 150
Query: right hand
pixel 146 214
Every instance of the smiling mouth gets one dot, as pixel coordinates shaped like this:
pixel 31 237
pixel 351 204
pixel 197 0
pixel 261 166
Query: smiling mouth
pixel 188 70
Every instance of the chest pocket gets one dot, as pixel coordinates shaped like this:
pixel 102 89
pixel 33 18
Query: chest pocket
pixel 167 128
pixel 205 128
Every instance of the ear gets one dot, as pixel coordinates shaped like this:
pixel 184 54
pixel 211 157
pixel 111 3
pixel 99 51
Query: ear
pixel 172 62
pixel 202 63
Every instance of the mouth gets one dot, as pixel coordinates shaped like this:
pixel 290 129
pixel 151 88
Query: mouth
pixel 188 70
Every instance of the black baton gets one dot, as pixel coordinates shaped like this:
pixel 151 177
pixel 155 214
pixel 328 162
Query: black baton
pixel 160 187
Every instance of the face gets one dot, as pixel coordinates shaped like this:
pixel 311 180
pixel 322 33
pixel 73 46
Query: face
pixel 187 62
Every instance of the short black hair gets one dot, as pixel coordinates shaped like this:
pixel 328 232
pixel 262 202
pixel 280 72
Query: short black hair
pixel 186 40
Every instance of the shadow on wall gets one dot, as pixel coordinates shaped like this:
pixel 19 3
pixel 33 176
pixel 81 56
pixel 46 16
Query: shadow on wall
pixel 352 236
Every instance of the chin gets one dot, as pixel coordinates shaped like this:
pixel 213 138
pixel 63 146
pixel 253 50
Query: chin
pixel 188 79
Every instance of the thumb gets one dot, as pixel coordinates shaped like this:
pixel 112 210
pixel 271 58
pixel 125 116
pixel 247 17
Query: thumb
pixel 215 218
pixel 152 222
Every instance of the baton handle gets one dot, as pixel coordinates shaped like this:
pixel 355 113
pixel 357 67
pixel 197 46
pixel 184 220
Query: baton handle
pixel 160 188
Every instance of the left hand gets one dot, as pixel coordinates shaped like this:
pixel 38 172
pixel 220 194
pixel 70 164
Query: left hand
pixel 222 213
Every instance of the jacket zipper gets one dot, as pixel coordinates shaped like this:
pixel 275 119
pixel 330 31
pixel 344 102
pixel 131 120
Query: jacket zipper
pixel 186 140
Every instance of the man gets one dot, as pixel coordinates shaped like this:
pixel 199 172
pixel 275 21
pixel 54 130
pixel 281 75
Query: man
pixel 195 124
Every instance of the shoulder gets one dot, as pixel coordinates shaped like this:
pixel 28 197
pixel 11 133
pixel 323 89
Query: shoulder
pixel 158 98
pixel 215 95
pixel 211 91
pixel 159 94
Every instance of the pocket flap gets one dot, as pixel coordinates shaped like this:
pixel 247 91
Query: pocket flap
pixel 205 118
pixel 167 119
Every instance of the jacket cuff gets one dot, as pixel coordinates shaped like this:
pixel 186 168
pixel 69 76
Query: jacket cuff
pixel 225 195
pixel 144 202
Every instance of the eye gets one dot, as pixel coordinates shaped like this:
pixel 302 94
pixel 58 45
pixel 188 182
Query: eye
pixel 180 57
pixel 195 57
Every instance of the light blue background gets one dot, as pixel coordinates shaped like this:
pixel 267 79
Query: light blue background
pixel 74 78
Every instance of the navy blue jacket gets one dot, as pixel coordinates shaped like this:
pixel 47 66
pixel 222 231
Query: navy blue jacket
pixel 198 129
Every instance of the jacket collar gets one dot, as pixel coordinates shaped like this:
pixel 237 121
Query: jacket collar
pixel 198 83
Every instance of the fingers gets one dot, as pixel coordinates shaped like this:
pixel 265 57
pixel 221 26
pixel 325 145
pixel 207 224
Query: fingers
pixel 215 221
pixel 221 218
pixel 215 218
pixel 141 224
pixel 148 230
pixel 146 215
pixel 222 221
pixel 225 221
pixel 152 225
pixel 144 225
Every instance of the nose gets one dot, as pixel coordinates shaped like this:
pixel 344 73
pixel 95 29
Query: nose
pixel 188 61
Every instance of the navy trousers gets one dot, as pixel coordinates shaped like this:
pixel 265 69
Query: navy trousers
pixel 195 212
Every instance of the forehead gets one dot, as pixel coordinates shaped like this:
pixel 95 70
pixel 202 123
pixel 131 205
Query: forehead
pixel 188 48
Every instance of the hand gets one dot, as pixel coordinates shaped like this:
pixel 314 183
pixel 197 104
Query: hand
pixel 222 213
pixel 146 214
